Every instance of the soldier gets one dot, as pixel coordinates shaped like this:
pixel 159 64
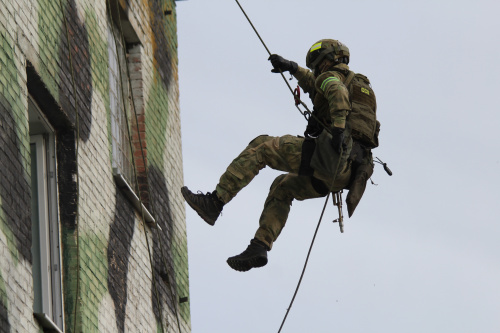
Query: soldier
pixel 316 165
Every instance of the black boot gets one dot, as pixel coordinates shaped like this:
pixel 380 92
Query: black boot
pixel 208 206
pixel 254 256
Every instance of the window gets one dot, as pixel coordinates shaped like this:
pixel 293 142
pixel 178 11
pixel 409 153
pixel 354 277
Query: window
pixel 127 112
pixel 119 97
pixel 46 250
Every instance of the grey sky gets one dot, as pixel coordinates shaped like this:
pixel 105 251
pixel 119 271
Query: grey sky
pixel 421 253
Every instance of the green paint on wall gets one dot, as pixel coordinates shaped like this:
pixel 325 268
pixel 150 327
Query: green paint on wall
pixel 157 121
pixel 156 114
pixel 99 60
pixel 11 243
pixel 13 99
pixel 181 272
pixel 98 54
pixel 70 276
pixel 93 279
pixel 3 293
pixel 86 275
pixel 50 26
pixel 14 96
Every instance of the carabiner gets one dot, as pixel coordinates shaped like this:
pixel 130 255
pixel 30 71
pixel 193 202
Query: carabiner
pixel 296 95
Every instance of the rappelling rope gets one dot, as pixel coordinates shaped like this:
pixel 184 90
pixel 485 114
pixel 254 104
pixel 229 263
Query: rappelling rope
pixel 305 264
pixel 305 114
pixel 312 242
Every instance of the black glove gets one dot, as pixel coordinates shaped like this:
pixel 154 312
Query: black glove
pixel 313 129
pixel 279 62
pixel 338 139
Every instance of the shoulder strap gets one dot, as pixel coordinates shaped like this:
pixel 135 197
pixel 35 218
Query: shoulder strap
pixel 349 78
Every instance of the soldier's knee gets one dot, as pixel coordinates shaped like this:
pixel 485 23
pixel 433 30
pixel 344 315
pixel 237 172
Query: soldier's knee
pixel 258 140
pixel 279 188
pixel 277 181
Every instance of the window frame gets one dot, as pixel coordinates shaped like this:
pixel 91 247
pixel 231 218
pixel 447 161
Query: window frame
pixel 124 165
pixel 119 96
pixel 48 303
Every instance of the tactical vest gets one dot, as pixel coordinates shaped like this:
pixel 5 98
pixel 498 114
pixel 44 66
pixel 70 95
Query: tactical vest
pixel 363 116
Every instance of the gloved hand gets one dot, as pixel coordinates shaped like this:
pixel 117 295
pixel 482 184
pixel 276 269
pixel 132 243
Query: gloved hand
pixel 313 129
pixel 279 62
pixel 338 139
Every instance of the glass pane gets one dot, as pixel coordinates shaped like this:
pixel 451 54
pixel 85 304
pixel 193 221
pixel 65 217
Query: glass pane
pixel 119 95
pixel 35 231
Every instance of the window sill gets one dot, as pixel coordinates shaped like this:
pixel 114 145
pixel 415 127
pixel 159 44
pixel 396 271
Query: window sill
pixel 124 186
pixel 47 323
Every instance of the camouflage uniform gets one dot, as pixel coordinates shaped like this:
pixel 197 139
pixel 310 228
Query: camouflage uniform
pixel 285 153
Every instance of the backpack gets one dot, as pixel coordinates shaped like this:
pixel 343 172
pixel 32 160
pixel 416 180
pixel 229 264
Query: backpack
pixel 363 116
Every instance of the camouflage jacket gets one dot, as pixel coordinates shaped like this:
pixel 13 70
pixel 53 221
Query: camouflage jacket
pixel 331 106
pixel 328 93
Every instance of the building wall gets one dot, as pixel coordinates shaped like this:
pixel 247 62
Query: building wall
pixel 119 273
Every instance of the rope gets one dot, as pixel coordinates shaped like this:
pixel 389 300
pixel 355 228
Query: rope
pixel 297 99
pixel 312 243
pixel 308 112
pixel 305 264
pixel 77 148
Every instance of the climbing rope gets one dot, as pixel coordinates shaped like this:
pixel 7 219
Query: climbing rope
pixel 312 241
pixel 307 114
pixel 305 264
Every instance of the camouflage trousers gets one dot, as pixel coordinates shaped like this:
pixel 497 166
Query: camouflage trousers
pixel 281 153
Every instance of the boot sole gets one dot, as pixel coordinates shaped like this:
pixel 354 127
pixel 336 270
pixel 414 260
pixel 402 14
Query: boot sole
pixel 185 192
pixel 246 265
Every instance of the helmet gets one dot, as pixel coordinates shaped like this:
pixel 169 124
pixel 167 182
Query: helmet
pixel 327 49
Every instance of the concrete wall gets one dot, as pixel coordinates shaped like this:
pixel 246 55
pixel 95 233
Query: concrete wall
pixel 119 274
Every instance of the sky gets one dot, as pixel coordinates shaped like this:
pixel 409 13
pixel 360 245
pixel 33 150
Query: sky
pixel 421 252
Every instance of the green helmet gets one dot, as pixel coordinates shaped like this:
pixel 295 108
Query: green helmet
pixel 327 49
